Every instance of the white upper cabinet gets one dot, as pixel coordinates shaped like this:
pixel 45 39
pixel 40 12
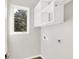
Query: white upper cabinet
pixel 48 12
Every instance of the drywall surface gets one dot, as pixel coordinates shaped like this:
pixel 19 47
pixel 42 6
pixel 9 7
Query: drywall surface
pixel 50 47
pixel 6 3
pixel 21 46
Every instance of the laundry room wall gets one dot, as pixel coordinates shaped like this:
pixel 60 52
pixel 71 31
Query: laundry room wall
pixel 51 48
pixel 21 46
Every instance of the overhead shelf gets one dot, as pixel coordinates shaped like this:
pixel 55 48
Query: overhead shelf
pixel 49 12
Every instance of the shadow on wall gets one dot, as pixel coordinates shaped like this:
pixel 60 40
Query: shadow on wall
pixel 68 11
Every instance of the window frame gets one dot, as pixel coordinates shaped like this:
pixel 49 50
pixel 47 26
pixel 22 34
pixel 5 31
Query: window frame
pixel 11 19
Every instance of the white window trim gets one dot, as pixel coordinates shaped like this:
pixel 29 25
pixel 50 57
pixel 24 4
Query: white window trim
pixel 11 19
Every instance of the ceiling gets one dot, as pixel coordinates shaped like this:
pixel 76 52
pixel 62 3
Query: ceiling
pixel 28 3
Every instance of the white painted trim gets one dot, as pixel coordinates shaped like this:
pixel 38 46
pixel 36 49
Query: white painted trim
pixel 34 57
pixel 42 56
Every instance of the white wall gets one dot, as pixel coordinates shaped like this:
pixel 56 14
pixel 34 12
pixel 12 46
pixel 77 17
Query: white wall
pixel 6 3
pixel 22 46
pixel 50 48
pixel 25 45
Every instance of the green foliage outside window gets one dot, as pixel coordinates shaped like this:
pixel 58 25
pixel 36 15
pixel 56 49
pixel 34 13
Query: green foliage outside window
pixel 20 21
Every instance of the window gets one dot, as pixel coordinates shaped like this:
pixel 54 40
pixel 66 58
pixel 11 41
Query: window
pixel 19 19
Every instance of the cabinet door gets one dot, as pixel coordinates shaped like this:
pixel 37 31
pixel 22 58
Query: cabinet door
pixel 45 18
pixel 58 13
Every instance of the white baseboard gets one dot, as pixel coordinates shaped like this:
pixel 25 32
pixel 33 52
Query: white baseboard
pixel 34 57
